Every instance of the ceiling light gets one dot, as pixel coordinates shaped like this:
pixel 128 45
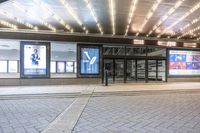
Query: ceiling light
pixel 47 9
pixel 130 16
pixel 190 32
pixel 9 15
pixel 6 23
pixel 112 14
pixel 196 7
pixel 49 26
pixel 165 16
pixel 73 14
pixel 89 6
pixel 149 15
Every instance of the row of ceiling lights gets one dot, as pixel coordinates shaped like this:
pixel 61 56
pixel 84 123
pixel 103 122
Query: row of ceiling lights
pixel 93 14
pixel 112 11
pixel 9 15
pixel 46 24
pixel 54 15
pixel 130 15
pixel 195 8
pixel 172 10
pixel 74 15
pixel 112 15
pixel 149 15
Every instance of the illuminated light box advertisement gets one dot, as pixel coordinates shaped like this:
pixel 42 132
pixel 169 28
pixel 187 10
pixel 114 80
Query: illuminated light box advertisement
pixel 182 62
pixel 61 67
pixel 34 59
pixel 89 60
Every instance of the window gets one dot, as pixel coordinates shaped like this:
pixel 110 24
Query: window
pixel 53 67
pixel 114 50
pixel 60 67
pixel 3 66
pixel 63 60
pixel 9 58
pixel 70 67
pixel 156 51
pixel 13 66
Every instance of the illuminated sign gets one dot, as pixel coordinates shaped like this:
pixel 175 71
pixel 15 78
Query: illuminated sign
pixel 89 60
pixel 168 44
pixel 190 45
pixel 182 62
pixel 34 59
pixel 136 41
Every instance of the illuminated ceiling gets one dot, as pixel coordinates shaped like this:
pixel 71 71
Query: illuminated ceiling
pixel 175 19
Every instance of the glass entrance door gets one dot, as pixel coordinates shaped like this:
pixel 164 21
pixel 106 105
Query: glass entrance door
pixel 141 67
pixel 109 66
pixel 156 70
pixel 119 70
pixel 131 71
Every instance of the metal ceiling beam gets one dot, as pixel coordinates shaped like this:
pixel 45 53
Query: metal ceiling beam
pixel 78 37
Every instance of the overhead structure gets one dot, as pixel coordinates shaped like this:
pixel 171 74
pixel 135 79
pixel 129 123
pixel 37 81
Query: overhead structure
pixel 175 19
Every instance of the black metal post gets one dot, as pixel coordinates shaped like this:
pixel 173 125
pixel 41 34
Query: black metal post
pixel 106 77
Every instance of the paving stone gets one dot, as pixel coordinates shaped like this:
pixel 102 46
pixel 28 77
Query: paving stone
pixel 165 113
pixel 30 115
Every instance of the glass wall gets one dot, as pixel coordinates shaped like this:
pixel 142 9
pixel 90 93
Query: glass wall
pixel 9 58
pixel 156 51
pixel 114 50
pixel 135 51
pixel 63 60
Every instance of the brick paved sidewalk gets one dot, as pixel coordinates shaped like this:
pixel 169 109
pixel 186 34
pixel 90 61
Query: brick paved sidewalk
pixel 168 113
pixel 30 115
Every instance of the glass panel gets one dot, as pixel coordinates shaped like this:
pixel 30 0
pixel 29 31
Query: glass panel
pixel 156 51
pixel 53 67
pixel 13 66
pixel 9 51
pixel 3 66
pixel 75 67
pixel 136 51
pixel 151 69
pixel 108 64
pixel 140 69
pixel 119 70
pixel 60 67
pixel 70 67
pixel 64 52
pixel 161 70
pixel 161 76
pixel 131 66
pixel 114 50
pixel 161 65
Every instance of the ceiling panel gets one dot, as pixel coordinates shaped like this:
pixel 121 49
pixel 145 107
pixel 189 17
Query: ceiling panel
pixel 103 14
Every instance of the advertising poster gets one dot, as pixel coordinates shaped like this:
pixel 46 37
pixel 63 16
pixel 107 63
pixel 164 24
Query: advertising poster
pixel 184 62
pixel 61 67
pixel 69 66
pixel 89 60
pixel 35 60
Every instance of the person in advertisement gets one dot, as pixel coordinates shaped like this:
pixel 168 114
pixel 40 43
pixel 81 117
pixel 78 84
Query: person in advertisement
pixel 35 57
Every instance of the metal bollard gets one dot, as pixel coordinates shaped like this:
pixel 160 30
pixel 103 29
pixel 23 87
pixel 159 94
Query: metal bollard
pixel 106 78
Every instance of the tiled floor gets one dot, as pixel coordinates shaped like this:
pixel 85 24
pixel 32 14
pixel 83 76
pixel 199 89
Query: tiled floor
pixel 174 113
pixel 30 115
